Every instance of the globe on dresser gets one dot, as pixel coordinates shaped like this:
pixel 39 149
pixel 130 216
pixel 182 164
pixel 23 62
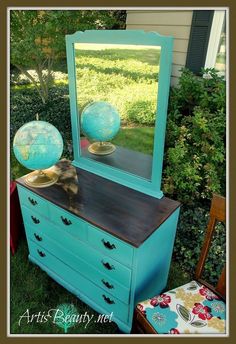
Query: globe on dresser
pixel 38 145
pixel 100 122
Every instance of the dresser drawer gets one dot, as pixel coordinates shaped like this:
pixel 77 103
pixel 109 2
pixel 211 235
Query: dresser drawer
pixel 110 269
pixel 106 265
pixel 107 302
pixel 74 260
pixel 110 245
pixel 70 223
pixel 35 219
pixel 32 201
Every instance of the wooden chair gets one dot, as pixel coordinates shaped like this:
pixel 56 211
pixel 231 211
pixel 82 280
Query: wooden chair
pixel 196 307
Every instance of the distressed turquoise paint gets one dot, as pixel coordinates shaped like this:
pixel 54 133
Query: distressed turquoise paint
pixel 122 252
pixel 80 286
pixel 70 256
pixel 151 278
pixel 70 53
pixel 32 201
pixel 152 187
pixel 74 259
pixel 94 257
pixel 151 263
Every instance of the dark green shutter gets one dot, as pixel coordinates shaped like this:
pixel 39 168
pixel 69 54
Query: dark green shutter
pixel 198 40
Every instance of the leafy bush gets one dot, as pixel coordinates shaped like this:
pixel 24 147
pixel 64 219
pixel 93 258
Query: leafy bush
pixel 195 161
pixel 208 92
pixel 194 164
pixel 141 111
pixel 25 104
pixel 189 240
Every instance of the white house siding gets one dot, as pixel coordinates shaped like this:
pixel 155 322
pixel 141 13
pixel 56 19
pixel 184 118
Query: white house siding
pixel 174 23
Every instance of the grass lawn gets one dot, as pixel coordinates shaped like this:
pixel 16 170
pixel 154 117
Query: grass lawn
pixel 139 139
pixel 126 77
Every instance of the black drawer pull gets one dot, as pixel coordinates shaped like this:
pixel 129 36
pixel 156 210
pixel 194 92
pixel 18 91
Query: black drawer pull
pixel 108 245
pixel 108 266
pixel 66 221
pixel 35 220
pixel 108 300
pixel 37 237
pixel 41 253
pixel 108 285
pixel 32 201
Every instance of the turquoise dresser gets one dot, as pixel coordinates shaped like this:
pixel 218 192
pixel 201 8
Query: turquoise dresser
pixel 109 245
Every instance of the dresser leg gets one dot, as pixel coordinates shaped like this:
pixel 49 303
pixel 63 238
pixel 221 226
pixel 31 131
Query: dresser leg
pixel 123 328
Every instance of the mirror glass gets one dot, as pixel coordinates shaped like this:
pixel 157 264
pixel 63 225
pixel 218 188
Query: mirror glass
pixel 117 87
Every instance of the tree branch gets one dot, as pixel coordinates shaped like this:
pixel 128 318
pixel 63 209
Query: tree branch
pixel 42 82
pixel 29 76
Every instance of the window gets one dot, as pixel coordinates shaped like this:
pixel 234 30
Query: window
pixel 221 53
pixel 216 52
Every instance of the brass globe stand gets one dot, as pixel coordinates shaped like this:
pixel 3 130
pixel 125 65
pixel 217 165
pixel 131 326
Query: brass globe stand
pixel 41 179
pixel 101 148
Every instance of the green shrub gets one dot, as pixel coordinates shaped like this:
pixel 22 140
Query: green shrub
pixel 195 159
pixel 208 92
pixel 189 240
pixel 25 104
pixel 141 112
pixel 194 163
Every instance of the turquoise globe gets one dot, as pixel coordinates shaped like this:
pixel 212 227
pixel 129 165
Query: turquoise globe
pixel 100 121
pixel 38 145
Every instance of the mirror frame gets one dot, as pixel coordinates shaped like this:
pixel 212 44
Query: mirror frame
pixel 139 37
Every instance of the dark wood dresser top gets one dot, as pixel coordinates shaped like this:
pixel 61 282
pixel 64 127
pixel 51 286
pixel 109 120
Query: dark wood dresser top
pixel 125 213
pixel 125 159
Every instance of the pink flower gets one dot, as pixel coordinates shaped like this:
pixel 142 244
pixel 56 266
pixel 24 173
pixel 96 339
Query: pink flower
pixel 162 300
pixel 203 312
pixel 174 331
pixel 204 291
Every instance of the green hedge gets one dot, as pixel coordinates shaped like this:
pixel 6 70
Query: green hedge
pixel 189 239
pixel 194 162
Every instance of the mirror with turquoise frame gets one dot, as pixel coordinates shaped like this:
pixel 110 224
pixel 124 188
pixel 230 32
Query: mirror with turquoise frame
pixel 119 85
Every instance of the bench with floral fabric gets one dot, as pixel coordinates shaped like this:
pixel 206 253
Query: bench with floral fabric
pixel 196 307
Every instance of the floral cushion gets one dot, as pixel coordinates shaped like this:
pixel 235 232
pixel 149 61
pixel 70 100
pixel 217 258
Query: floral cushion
pixel 191 308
